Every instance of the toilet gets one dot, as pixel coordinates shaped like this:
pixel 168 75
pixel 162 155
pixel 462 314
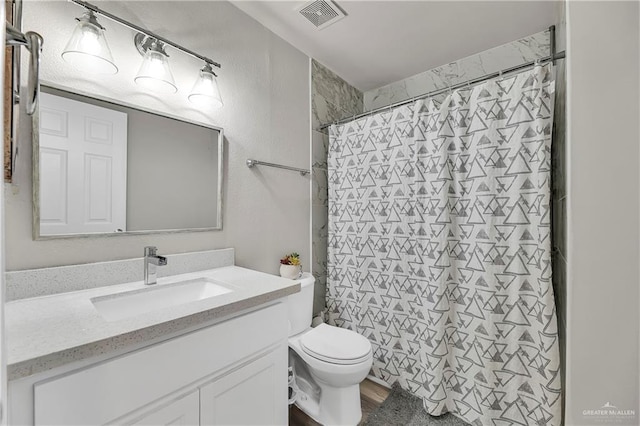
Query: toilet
pixel 328 363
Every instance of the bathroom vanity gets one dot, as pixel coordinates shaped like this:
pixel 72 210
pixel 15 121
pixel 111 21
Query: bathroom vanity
pixel 220 357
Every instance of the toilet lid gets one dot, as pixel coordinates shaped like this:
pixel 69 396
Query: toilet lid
pixel 335 345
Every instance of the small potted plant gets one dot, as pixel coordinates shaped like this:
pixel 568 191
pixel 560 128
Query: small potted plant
pixel 290 266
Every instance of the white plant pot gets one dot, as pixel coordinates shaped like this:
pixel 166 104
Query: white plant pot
pixel 292 272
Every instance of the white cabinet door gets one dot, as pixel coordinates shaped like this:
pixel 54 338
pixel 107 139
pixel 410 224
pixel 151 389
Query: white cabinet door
pixel 255 394
pixel 83 167
pixel 182 412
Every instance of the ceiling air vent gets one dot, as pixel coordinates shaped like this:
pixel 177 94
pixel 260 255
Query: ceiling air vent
pixel 322 13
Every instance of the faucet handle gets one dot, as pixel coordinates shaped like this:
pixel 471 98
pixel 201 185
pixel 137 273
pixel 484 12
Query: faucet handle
pixel 150 251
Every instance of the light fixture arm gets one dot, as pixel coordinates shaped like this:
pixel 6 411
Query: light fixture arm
pixel 90 17
pixel 144 42
pixel 207 68
pixel 135 27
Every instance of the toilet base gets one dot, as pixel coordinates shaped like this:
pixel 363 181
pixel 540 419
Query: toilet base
pixel 329 392
pixel 336 406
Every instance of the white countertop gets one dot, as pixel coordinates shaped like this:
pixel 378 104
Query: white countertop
pixel 50 331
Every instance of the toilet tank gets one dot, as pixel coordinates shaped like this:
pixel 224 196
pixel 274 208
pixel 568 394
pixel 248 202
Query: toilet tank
pixel 300 305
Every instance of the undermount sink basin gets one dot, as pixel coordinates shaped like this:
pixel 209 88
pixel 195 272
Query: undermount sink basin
pixel 133 303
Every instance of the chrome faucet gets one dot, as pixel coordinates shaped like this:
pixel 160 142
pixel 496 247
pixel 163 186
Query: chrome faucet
pixel 151 262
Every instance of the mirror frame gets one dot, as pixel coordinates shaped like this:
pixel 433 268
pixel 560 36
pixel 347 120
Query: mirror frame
pixel 35 169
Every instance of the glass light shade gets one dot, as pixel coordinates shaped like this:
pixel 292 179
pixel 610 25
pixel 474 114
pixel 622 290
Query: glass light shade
pixel 88 49
pixel 205 90
pixel 154 73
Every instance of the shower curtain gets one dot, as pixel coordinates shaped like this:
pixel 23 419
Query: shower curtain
pixel 440 253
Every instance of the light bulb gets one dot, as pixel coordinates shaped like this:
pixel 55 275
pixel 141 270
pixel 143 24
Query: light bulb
pixel 89 41
pixel 154 73
pixel 87 48
pixel 205 90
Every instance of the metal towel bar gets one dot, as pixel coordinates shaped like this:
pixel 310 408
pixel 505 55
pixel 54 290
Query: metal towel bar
pixel 252 163
pixel 33 41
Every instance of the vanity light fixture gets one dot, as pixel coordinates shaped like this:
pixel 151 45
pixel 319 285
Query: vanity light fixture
pixel 205 91
pixel 154 73
pixel 88 49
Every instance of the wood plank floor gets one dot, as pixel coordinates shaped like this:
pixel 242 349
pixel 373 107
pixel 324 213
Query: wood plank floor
pixel 371 396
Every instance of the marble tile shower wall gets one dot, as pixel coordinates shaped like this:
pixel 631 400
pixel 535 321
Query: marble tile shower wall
pixel 332 98
pixel 493 60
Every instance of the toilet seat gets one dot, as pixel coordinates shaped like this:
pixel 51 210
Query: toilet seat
pixel 335 345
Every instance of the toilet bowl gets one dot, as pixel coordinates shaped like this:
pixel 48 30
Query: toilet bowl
pixel 336 359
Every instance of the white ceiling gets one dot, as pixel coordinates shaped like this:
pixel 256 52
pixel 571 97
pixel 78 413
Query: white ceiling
pixel 380 42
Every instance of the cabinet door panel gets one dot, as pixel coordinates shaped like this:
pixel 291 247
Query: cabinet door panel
pixel 182 412
pixel 255 394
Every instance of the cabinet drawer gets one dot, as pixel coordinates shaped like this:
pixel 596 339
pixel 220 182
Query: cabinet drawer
pixel 101 393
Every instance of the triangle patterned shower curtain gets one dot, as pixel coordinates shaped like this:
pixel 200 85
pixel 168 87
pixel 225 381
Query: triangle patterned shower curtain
pixel 440 249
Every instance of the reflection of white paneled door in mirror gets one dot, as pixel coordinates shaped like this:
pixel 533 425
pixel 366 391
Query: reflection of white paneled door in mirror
pixel 83 167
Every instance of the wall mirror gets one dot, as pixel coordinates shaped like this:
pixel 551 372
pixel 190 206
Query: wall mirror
pixel 109 158
pixel 108 168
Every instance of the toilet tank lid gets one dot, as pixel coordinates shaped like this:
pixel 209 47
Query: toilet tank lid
pixel 306 279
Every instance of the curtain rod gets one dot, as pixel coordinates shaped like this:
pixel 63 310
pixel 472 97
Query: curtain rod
pixel 551 58
pixel 559 55
pixel 139 29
